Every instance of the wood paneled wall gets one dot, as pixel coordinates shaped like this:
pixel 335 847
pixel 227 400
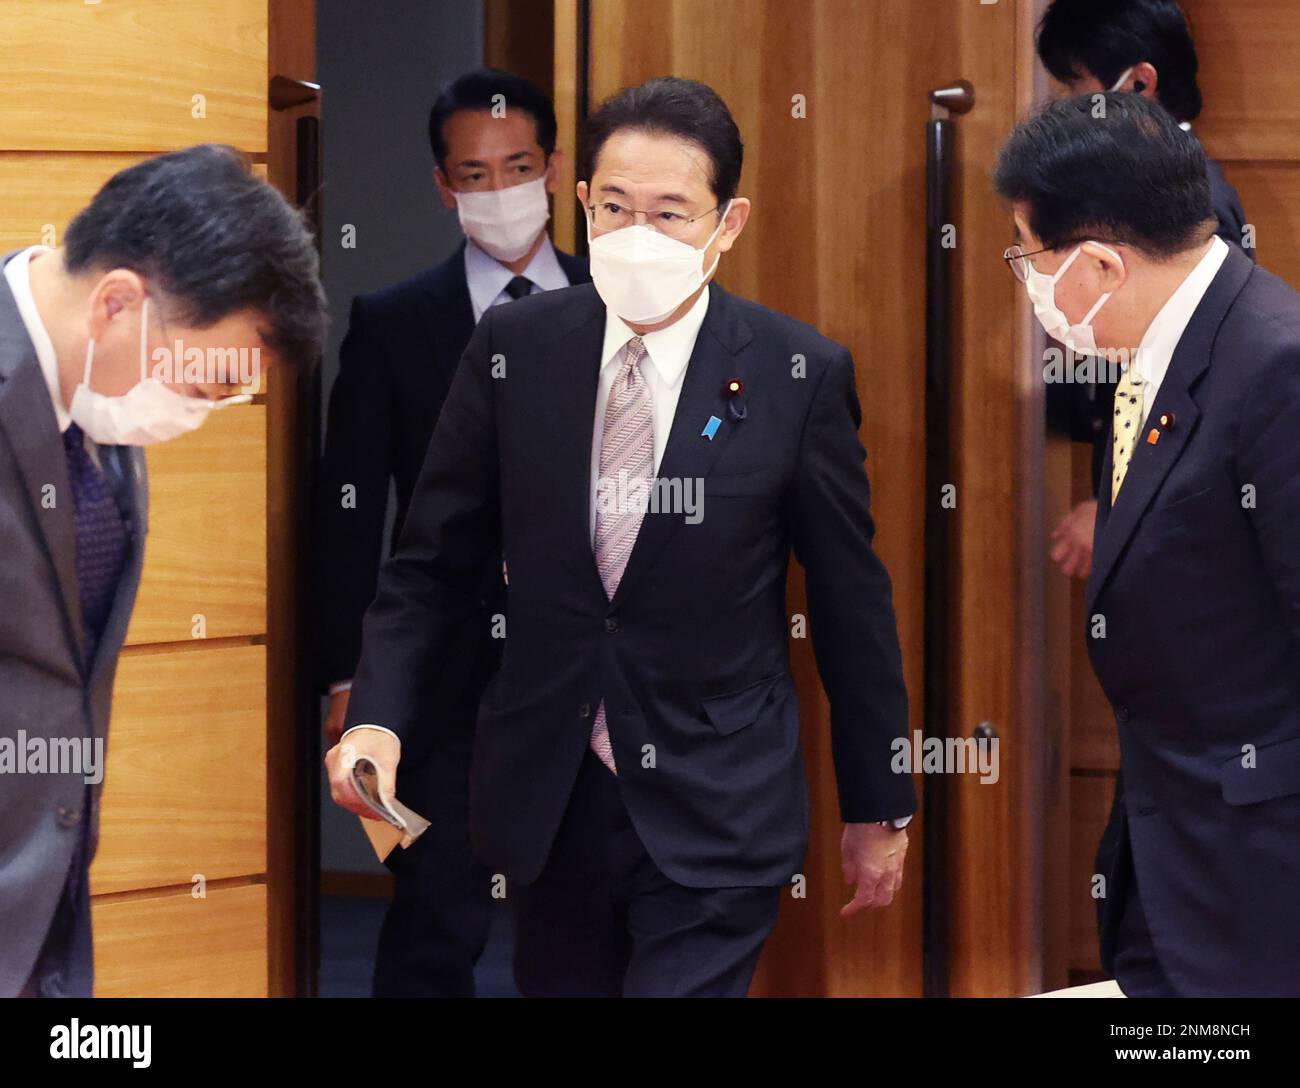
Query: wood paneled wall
pixel 179 884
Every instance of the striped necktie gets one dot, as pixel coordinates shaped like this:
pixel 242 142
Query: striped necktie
pixel 627 453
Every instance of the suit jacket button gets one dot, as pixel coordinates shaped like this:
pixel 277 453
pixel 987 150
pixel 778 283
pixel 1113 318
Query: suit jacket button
pixel 611 624
pixel 68 817
pixel 584 711
pixel 1121 713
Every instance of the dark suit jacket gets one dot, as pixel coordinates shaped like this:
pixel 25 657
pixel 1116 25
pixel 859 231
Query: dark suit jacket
pixel 1084 411
pixel 1196 572
pixel 395 367
pixel 49 690
pixel 692 655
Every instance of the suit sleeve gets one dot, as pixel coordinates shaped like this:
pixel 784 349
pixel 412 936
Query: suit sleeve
pixel 850 612
pixel 353 496
pixel 431 585
pixel 1268 460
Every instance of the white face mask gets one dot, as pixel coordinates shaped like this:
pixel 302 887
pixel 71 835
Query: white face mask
pixel 1041 289
pixel 642 275
pixel 505 223
pixel 147 413
pixel 1120 82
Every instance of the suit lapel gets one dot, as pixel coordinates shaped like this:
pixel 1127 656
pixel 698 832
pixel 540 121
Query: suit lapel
pixel 1150 463
pixel 689 454
pixel 28 423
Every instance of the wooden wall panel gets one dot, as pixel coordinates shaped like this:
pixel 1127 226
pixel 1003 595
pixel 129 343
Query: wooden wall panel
pixel 169 944
pixel 206 551
pixel 185 792
pixel 43 192
pixel 122 76
pixel 1249 53
pixel 1270 193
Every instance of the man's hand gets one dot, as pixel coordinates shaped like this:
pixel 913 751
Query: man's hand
pixel 382 749
pixel 1072 540
pixel 872 857
pixel 335 715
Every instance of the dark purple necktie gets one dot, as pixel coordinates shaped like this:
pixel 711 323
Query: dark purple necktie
pixel 101 537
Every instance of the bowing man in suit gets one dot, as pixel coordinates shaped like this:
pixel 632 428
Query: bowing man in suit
pixel 1194 597
pixel 496 168
pixel 1143 47
pixel 189 248
pixel 647 451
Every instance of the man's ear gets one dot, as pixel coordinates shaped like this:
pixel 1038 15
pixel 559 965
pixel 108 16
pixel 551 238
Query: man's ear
pixel 736 218
pixel 444 190
pixel 118 291
pixel 1144 79
pixel 1113 271
pixel 554 168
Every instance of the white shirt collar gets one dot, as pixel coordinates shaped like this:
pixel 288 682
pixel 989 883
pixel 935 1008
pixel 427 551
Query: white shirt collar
pixel 1167 327
pixel 18 274
pixel 668 349
pixel 487 277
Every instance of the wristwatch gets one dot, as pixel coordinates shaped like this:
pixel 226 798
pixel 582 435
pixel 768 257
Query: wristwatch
pixel 898 824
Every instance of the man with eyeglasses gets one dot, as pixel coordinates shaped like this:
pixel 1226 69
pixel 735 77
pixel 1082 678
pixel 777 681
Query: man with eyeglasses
pixel 1193 602
pixel 648 450
pixel 1141 47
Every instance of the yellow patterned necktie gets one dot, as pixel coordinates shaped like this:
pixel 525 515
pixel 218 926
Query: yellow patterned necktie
pixel 1127 421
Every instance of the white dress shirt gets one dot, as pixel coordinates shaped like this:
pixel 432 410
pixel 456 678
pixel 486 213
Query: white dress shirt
pixel 1154 353
pixel 18 275
pixel 488 277
pixel 668 351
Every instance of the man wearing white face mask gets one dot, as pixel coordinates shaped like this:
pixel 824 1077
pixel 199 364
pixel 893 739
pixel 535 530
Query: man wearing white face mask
pixel 89 373
pixel 496 168
pixel 1141 47
pixel 1193 602
pixel 648 452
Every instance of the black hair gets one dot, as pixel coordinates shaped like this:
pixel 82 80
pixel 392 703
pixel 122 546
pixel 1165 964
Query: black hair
pixel 1105 37
pixel 484 90
pixel 1127 173
pixel 213 239
pixel 675 107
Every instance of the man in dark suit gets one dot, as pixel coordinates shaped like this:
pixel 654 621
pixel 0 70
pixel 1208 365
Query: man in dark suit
pixel 647 451
pixel 189 248
pixel 1194 597
pixel 1144 47
pixel 495 166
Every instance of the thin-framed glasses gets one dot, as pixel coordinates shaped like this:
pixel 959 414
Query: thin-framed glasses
pixel 1018 260
pixel 608 215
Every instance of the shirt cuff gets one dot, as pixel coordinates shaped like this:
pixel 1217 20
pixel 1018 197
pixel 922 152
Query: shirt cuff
pixel 342 685
pixel 381 728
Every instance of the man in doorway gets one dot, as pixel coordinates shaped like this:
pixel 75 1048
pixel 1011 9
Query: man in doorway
pixel 647 451
pixel 493 136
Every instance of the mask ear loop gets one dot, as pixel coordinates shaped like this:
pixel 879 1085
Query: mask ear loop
pixel 1102 301
pixel 90 357
pixel 717 256
pixel 144 337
